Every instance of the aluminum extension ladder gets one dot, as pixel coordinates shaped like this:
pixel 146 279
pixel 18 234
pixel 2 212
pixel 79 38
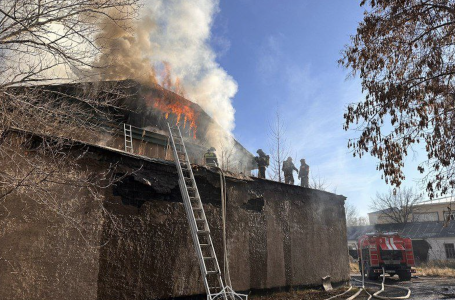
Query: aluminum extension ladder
pixel 200 230
pixel 128 133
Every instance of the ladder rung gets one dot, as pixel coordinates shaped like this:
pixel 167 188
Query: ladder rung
pixel 203 231
pixel 200 220
pixel 197 208
pixel 209 258
pixel 212 272
pixel 205 245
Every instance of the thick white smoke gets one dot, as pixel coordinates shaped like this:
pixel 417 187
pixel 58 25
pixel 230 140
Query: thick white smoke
pixel 175 34
pixel 181 38
pixel 172 38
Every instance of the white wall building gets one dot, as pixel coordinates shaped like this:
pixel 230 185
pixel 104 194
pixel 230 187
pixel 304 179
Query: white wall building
pixel 433 210
pixel 431 240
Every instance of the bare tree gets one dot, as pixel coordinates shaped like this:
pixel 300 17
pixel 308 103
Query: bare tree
pixel 363 221
pixel 319 183
pixel 351 215
pixel 44 42
pixel 226 156
pixel 279 147
pixel 396 206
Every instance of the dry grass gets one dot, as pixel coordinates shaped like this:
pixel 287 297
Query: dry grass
pixel 439 268
pixel 354 267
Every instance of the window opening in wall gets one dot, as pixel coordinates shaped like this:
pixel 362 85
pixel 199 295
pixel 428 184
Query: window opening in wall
pixel 450 251
pixel 424 217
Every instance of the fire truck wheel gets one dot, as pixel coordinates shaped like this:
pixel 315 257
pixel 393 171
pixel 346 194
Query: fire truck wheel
pixel 404 275
pixel 371 274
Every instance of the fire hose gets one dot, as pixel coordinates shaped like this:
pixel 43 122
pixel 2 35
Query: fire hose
pixel 227 275
pixel 376 294
pixel 382 285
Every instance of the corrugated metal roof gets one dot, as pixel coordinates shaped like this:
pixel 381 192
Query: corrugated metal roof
pixel 417 230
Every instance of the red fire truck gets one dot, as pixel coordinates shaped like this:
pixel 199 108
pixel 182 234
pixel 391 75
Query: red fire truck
pixel 388 251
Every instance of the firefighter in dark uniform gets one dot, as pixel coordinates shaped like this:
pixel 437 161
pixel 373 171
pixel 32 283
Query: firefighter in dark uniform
pixel 304 173
pixel 288 169
pixel 263 162
pixel 210 158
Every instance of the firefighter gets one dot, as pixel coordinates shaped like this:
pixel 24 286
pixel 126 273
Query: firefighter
pixel 288 169
pixel 263 162
pixel 210 158
pixel 304 173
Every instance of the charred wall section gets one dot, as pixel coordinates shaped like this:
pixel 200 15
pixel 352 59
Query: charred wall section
pixel 136 242
pixel 278 235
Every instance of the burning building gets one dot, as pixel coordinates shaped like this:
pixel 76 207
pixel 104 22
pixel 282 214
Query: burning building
pixel 132 240
pixel 148 109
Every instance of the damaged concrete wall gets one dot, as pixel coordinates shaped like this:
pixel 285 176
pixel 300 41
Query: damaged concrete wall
pixel 137 245
pixel 278 235
pixel 49 248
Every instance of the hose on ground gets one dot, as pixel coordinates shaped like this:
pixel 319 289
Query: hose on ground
pixel 336 296
pixel 376 294
pixel 383 285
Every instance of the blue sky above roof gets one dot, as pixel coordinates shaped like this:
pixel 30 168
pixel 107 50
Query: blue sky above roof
pixel 283 55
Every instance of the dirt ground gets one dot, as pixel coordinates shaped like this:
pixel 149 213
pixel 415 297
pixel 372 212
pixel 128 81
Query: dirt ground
pixel 422 288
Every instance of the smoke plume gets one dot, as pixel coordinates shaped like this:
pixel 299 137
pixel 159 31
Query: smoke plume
pixel 173 35
pixel 126 53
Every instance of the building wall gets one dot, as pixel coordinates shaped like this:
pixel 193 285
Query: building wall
pixel 49 248
pixel 437 251
pixel 137 245
pixel 422 213
pixel 277 235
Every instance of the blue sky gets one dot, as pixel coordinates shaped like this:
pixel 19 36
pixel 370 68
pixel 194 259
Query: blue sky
pixel 283 54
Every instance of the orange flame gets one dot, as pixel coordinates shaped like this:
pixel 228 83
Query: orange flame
pixel 180 110
pixel 167 82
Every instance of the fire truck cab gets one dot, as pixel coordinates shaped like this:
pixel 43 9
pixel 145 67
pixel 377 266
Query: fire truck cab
pixel 388 251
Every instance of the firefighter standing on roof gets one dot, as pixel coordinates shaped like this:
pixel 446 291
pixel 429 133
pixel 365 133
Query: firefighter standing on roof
pixel 304 173
pixel 288 168
pixel 263 162
pixel 210 158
